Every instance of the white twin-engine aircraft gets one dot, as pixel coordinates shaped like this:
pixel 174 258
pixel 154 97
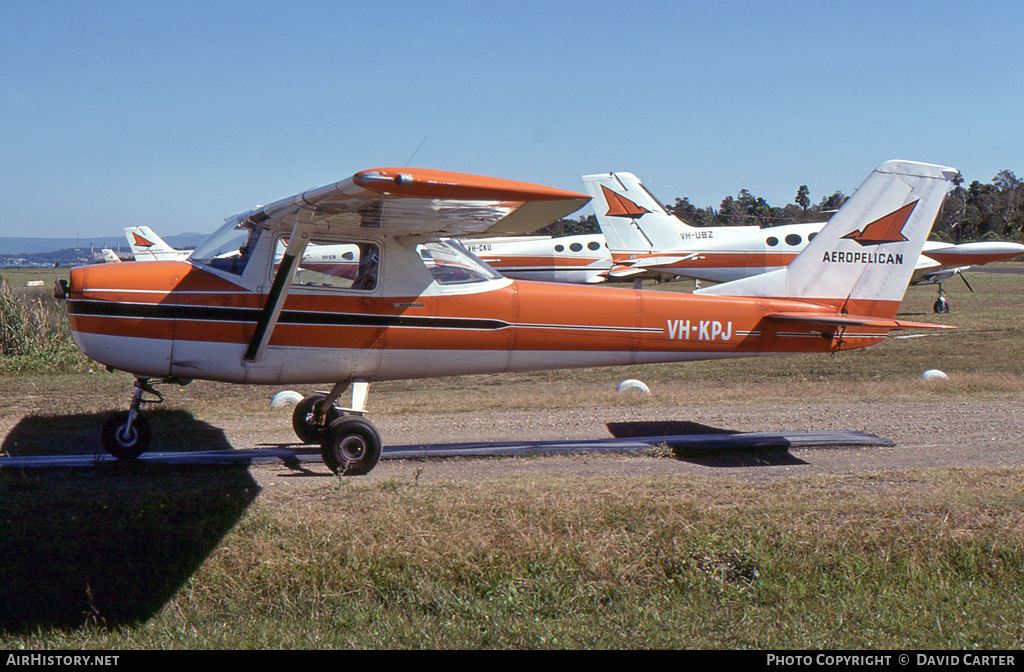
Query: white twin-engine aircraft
pixel 646 240
pixel 242 308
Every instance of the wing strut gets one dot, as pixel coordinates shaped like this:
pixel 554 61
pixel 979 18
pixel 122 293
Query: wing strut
pixel 278 292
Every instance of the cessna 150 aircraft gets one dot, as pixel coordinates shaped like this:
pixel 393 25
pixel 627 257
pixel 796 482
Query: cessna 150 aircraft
pixel 644 239
pixel 421 306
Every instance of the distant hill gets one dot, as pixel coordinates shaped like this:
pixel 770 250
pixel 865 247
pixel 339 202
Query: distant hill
pixel 19 246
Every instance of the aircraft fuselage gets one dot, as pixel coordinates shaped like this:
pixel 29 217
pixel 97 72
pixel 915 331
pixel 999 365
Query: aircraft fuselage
pixel 178 319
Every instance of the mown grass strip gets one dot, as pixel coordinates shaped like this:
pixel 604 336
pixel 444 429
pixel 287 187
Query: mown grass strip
pixel 903 560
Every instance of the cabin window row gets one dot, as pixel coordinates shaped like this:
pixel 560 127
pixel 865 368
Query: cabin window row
pixel 577 247
pixel 792 240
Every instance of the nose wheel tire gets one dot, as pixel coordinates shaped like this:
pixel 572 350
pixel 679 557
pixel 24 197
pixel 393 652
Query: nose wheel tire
pixel 941 305
pixel 351 446
pixel 304 419
pixel 123 442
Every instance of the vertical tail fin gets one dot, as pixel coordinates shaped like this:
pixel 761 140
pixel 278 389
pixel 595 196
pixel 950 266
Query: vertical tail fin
pixel 621 202
pixel 863 259
pixel 147 246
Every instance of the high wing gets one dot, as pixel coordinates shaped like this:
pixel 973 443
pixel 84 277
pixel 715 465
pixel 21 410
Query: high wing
pixel 411 201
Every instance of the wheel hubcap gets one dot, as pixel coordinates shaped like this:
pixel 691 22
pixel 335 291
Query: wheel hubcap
pixel 127 436
pixel 352 448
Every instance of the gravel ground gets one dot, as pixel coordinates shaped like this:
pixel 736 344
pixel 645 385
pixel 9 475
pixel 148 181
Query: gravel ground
pixel 927 435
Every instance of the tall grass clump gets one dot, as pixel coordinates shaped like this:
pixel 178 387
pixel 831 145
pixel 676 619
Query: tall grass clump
pixel 35 335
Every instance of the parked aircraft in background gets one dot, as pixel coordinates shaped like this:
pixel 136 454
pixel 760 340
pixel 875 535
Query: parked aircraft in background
pixel 320 263
pixel 147 246
pixel 646 240
pixel 664 247
pixel 575 259
pixel 422 307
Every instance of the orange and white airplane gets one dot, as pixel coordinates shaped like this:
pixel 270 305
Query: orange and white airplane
pixel 421 306
pixel 646 240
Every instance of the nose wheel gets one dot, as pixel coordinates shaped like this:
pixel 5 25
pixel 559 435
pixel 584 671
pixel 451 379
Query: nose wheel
pixel 127 434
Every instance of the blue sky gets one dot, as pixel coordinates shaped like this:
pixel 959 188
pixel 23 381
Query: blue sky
pixel 178 114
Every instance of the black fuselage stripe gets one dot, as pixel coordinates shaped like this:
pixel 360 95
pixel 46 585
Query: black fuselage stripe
pixel 291 317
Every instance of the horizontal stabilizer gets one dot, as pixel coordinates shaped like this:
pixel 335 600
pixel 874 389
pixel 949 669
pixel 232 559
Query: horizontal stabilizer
pixel 625 272
pixel 660 261
pixel 853 321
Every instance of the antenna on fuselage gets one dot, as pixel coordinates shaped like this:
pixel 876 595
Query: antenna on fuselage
pixel 414 153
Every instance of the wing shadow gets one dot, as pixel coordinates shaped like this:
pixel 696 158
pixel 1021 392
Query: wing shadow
pixel 724 458
pixel 627 430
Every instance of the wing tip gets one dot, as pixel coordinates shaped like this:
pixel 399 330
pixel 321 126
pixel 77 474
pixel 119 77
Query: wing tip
pixel 429 183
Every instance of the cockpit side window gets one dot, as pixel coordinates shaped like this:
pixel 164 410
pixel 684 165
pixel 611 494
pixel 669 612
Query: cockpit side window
pixel 334 265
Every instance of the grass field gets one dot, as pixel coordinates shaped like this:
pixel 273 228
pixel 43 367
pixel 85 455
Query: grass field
pixel 136 556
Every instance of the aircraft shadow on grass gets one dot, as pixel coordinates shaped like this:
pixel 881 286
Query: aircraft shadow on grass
pixel 110 543
pixel 173 431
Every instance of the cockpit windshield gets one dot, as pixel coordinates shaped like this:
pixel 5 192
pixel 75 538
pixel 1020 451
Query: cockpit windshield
pixel 228 248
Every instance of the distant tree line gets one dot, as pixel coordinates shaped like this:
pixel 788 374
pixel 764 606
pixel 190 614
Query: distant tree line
pixel 979 211
pixel 993 210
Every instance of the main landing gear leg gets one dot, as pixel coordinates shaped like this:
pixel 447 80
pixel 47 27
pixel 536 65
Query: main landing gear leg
pixel 349 443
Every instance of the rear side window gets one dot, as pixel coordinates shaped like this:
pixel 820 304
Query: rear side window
pixel 452 264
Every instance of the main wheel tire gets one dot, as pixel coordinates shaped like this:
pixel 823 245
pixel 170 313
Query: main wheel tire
pixel 351 446
pixel 122 444
pixel 304 419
